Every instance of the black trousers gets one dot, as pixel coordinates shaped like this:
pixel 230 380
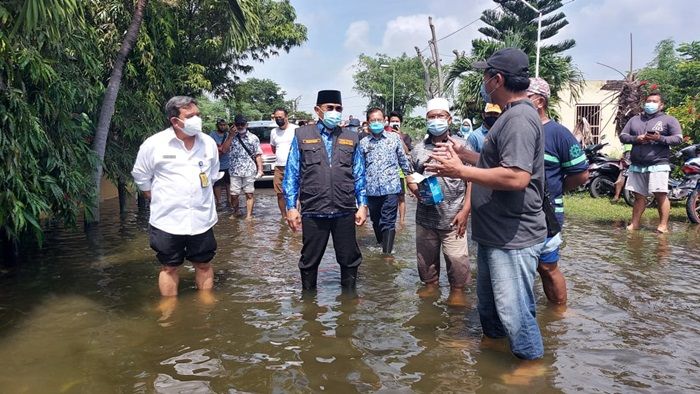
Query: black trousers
pixel 315 232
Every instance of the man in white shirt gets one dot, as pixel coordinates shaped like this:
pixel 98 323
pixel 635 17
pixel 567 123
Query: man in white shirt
pixel 176 169
pixel 280 141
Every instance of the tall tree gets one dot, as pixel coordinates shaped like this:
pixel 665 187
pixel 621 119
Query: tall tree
pixel 515 25
pixel 515 17
pixel 388 81
pixel 99 143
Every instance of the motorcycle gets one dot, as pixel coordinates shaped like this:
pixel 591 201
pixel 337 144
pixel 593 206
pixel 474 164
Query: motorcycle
pixel 690 185
pixel 603 171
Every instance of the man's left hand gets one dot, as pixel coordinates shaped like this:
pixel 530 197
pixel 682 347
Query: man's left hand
pixel 653 136
pixel 445 163
pixel 361 215
pixel 460 223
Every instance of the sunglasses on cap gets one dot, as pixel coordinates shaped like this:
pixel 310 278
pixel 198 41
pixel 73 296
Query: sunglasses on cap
pixel 330 107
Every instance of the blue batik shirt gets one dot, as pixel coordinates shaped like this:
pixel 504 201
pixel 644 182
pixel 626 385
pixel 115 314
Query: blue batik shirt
pixel 384 154
pixel 292 173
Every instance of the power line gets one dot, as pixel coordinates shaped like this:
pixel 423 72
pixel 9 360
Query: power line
pixel 461 28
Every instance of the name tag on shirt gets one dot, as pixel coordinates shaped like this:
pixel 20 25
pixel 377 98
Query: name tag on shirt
pixel 311 141
pixel 343 141
pixel 168 156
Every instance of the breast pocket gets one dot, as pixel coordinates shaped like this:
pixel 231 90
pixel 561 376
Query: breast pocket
pixel 345 156
pixel 312 155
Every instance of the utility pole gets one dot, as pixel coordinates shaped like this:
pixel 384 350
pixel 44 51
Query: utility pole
pixel 436 55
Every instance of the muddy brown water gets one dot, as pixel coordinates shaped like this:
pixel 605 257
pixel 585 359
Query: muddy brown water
pixel 80 315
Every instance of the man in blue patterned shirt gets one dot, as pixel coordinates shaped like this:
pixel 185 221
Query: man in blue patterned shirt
pixel 324 168
pixel 383 152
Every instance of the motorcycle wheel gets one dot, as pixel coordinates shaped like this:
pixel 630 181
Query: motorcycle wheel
pixel 629 199
pixel 601 186
pixel 692 206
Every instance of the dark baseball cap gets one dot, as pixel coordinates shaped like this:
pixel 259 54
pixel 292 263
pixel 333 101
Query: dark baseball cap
pixel 240 119
pixel 511 61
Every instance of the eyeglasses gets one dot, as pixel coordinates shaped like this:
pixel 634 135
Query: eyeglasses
pixel 329 107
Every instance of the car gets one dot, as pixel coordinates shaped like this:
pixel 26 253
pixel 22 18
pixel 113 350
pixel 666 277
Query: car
pixel 262 129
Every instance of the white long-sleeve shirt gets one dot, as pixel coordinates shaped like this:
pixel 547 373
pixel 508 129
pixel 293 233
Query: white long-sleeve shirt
pixel 179 203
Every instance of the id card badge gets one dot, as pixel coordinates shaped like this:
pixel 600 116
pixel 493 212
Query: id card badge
pixel 203 178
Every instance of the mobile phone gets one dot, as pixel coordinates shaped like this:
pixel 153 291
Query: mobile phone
pixel 652 132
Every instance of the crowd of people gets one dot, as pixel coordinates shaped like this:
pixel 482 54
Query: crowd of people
pixel 509 175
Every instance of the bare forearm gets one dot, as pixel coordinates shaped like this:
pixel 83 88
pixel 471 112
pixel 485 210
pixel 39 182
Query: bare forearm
pixel 571 182
pixel 469 156
pixel 497 178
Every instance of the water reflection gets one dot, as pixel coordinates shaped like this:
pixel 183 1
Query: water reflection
pixel 84 315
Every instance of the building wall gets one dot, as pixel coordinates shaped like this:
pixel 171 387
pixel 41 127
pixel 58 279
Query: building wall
pixel 593 95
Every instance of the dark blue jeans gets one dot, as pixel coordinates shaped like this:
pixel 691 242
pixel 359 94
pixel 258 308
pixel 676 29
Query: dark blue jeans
pixel 382 212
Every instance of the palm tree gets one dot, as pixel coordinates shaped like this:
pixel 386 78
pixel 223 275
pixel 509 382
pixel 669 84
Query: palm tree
pixel 557 70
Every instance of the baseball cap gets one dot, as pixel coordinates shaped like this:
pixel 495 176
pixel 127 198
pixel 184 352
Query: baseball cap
pixel 491 107
pixel 512 61
pixel 539 86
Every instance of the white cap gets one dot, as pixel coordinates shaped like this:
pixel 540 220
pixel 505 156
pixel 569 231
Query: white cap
pixel 438 103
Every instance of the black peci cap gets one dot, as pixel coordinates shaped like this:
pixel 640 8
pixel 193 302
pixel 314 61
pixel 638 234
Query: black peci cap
pixel 511 61
pixel 328 97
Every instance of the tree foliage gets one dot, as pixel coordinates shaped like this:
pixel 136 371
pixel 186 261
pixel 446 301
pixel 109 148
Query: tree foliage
pixel 375 78
pixel 50 69
pixel 675 72
pixel 515 17
pixel 515 25
pixel 55 61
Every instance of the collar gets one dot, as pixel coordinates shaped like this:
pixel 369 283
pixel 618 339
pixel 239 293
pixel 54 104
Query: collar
pixel 518 102
pixel 378 136
pixel 646 116
pixel 429 140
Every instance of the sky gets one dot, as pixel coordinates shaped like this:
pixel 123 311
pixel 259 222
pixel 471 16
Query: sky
pixel 339 31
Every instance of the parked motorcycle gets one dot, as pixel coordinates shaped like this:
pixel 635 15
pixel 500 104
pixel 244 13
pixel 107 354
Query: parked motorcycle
pixel 603 171
pixel 690 185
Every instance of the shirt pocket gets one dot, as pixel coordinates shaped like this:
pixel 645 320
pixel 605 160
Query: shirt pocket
pixel 312 155
pixel 345 156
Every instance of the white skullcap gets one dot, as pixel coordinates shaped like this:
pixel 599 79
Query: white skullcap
pixel 438 103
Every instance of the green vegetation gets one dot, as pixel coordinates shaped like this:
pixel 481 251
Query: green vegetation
pixel 603 210
pixel 515 25
pixel 56 60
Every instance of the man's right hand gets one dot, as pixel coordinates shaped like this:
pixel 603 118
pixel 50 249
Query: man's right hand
pixel 294 219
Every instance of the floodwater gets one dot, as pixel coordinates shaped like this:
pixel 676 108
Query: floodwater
pixel 81 315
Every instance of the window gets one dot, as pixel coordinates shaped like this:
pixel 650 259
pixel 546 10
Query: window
pixel 592 114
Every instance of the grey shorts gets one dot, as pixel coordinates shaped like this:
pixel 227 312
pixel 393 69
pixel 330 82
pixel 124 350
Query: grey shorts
pixel 647 183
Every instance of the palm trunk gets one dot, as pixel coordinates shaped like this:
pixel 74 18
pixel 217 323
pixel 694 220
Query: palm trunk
pixel 99 144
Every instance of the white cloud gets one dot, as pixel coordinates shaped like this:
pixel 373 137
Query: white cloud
pixel 357 36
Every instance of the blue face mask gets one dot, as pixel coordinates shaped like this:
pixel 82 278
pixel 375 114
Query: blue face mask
pixel 331 119
pixel 465 129
pixel 376 127
pixel 651 108
pixel 485 95
pixel 437 126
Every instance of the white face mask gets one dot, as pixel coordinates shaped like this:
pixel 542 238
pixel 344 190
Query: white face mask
pixel 192 126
